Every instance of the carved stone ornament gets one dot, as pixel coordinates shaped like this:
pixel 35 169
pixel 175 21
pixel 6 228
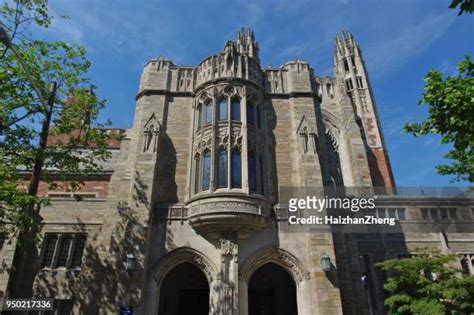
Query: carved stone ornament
pixel 228 248
pixel 205 96
pixel 277 256
pixel 229 91
pixel 180 255
pixel 151 131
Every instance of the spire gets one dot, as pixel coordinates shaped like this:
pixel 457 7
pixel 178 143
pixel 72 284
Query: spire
pixel 246 43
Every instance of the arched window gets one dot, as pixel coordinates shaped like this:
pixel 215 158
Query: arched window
pixel 222 168
pixel 235 109
pixel 223 109
pixel 206 170
pixel 250 114
pixel 252 173
pixel 236 169
pixel 208 113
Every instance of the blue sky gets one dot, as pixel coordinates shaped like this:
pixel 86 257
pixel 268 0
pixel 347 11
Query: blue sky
pixel 401 40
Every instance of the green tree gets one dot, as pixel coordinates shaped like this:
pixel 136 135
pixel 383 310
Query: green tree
pixel 44 91
pixel 464 6
pixel 451 115
pixel 428 285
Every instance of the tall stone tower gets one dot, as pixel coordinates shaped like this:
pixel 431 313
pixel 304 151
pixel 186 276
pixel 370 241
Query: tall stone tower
pixel 350 67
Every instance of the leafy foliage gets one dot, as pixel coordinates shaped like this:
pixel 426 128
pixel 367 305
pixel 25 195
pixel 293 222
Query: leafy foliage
pixel 451 115
pixel 464 6
pixel 428 285
pixel 28 67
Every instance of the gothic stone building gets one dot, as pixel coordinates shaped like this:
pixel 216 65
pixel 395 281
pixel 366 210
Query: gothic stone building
pixel 187 216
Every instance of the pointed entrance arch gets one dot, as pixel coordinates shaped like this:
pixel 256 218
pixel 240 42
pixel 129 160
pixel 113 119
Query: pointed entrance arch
pixel 271 291
pixel 291 272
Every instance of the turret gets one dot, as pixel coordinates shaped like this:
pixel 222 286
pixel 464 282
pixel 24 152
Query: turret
pixel 349 65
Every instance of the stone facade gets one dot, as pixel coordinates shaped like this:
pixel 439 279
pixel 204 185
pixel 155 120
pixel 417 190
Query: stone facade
pixel 197 181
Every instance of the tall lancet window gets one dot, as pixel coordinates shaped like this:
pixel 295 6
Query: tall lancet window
pixel 222 168
pixel 236 169
pixel 223 109
pixel 208 113
pixel 252 173
pixel 235 109
pixel 197 118
pixel 206 170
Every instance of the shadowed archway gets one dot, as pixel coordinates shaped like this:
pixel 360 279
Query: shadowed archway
pixel 184 291
pixel 272 291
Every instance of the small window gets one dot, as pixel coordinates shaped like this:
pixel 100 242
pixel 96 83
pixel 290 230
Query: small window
pixel 235 109
pixel 49 248
pixel 465 266
pixel 206 171
pixel 208 113
pixel 381 213
pixel 223 109
pixel 236 169
pixel 222 168
pixel 401 214
pixel 434 214
pixel 349 85
pixel 360 85
pixel 63 250
pixel 250 114
pixel 252 174
pixel 392 213
pixel 346 66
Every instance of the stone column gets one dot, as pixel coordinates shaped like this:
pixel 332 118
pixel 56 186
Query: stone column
pixel 229 277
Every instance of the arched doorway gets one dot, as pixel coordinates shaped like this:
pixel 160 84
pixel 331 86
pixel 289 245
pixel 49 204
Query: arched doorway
pixel 272 291
pixel 184 291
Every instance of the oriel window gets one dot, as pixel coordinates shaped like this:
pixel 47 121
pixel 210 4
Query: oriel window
pixel 206 170
pixel 222 168
pixel 223 109
pixel 236 169
pixel 208 113
pixel 235 109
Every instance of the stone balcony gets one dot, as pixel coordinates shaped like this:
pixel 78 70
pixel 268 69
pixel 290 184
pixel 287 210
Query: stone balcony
pixel 228 212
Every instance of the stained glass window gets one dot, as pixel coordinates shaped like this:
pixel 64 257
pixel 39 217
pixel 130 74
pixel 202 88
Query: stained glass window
pixel 206 171
pixel 208 113
pixel 235 109
pixel 223 109
pixel 250 114
pixel 236 169
pixel 222 168
pixel 252 174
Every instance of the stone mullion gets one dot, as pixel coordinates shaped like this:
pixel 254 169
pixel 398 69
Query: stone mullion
pixel 214 132
pixel 229 142
pixel 244 152
pixel 56 251
pixel 192 162
pixel 265 159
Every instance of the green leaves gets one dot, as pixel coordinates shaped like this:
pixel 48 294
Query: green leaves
pixel 451 115
pixel 464 6
pixel 77 143
pixel 428 285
